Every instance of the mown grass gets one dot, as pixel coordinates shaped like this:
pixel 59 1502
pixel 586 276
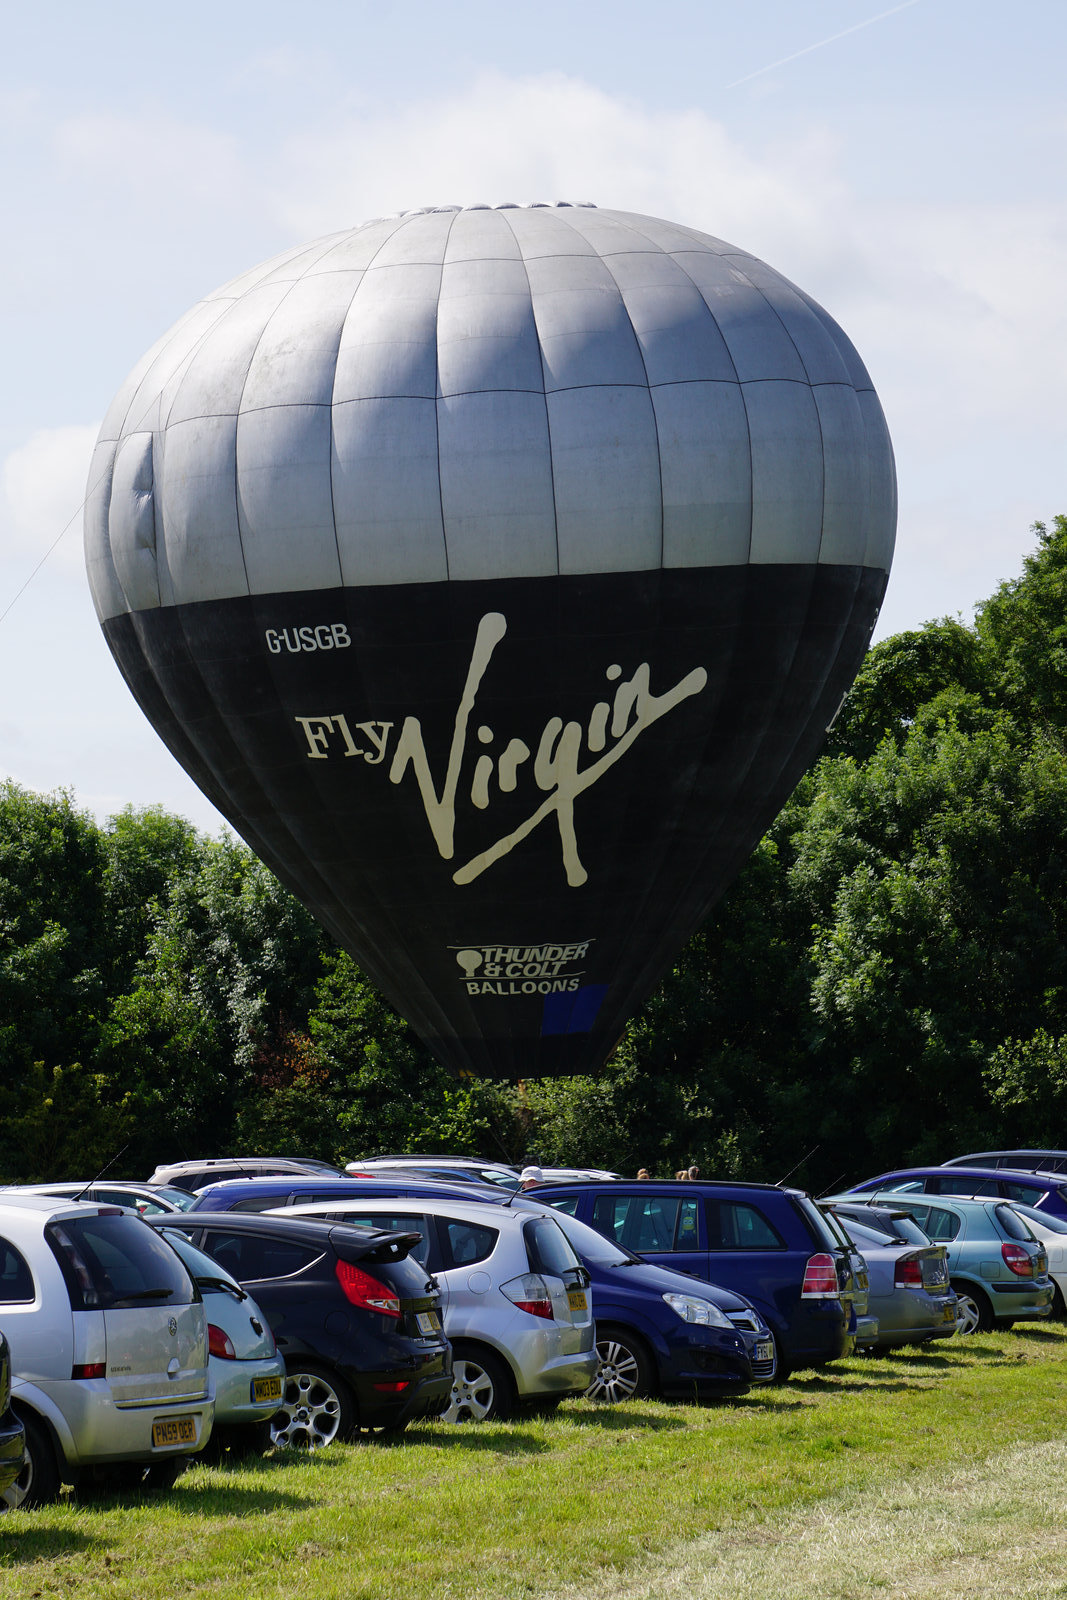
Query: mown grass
pixel 591 1498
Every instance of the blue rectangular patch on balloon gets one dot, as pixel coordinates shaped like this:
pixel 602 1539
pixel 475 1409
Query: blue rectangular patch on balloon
pixel 572 1013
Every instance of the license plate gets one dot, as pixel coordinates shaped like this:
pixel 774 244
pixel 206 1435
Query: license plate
pixel 266 1388
pixel 765 1350
pixel 950 1313
pixel 428 1321
pixel 576 1299
pixel 176 1430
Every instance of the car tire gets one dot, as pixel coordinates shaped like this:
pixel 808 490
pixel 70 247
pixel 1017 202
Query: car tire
pixel 38 1482
pixel 974 1314
pixel 625 1369
pixel 482 1387
pixel 317 1408
pixel 1059 1305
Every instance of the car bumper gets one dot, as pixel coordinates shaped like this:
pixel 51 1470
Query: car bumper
pixel 425 1391
pixel 911 1317
pixel 704 1364
pixel 235 1401
pixel 1023 1301
pixel 97 1431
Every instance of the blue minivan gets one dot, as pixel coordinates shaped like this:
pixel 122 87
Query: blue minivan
pixel 771 1245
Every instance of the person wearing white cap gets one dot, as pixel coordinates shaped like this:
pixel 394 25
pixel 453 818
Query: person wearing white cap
pixel 530 1177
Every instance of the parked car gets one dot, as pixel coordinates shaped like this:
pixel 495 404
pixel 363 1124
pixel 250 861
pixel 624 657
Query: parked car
pixel 909 1292
pixel 356 1319
pixel 145 1198
pixel 247 1369
pixel 449 1169
pixel 661 1332
pixel 12 1434
pixel 267 1194
pixel 515 1298
pixel 770 1244
pixel 193 1175
pixel 656 1331
pixel 108 1347
pixel 997 1268
pixel 1044 1193
pixel 1018 1160
pixel 1052 1233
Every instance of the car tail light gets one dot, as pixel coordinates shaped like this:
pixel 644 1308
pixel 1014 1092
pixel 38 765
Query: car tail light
pixel 88 1369
pixel 1018 1259
pixel 363 1290
pixel 530 1293
pixel 220 1344
pixel 909 1273
pixel 820 1277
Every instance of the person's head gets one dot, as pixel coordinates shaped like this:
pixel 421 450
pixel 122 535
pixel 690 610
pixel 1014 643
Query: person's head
pixel 642 1172
pixel 693 1174
pixel 529 1177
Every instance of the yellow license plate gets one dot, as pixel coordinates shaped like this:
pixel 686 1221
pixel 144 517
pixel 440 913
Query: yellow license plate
pixel 428 1322
pixel 176 1430
pixel 266 1388
pixel 576 1299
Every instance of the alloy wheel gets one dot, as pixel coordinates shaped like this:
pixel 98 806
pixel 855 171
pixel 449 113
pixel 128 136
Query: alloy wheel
pixel 618 1375
pixel 473 1392
pixel 312 1414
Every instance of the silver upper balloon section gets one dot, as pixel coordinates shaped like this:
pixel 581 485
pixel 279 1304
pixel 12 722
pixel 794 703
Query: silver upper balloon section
pixel 487 392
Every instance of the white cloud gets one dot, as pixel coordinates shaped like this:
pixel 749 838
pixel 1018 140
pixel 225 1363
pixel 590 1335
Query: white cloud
pixel 43 484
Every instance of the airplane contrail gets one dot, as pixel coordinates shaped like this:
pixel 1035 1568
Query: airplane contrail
pixel 856 26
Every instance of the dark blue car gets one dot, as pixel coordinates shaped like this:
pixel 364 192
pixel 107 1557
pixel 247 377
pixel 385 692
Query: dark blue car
pixel 305 1189
pixel 1044 1191
pixel 769 1244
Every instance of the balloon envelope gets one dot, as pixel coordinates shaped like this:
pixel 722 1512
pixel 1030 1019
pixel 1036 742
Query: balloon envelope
pixel 497 572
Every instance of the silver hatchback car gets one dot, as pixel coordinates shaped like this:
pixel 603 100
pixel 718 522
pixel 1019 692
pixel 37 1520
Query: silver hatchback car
pixel 109 1350
pixel 514 1297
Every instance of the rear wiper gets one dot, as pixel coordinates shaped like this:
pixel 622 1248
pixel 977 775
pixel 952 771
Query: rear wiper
pixel 145 1294
pixel 221 1283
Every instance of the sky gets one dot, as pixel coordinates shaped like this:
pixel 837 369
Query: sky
pixel 905 164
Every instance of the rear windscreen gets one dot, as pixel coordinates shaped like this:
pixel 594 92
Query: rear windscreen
pixel 547 1249
pixel 117 1260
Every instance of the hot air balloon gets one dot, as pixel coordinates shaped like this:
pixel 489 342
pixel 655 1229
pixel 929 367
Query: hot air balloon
pixel 497 571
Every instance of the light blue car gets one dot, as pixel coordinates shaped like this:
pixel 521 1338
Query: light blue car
pixel 997 1268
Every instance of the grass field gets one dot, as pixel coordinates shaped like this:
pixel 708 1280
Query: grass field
pixel 939 1473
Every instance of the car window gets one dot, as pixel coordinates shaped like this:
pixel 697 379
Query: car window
pixel 953 1185
pixel 393 1222
pixel 736 1225
pixel 466 1242
pixel 644 1222
pixel 1044 1219
pixel 117 1260
pixel 903 1185
pixel 547 1248
pixel 1014 1226
pixel 941 1225
pixel 16 1279
pixel 1028 1192
pixel 249 1257
pixel 567 1203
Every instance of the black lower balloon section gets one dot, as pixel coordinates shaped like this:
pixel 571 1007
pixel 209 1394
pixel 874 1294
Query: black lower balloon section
pixel 511 801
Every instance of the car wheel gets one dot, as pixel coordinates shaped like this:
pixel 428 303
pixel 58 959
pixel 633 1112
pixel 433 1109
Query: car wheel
pixel 38 1482
pixel 1059 1306
pixel 482 1390
pixel 625 1370
pixel 974 1314
pixel 316 1410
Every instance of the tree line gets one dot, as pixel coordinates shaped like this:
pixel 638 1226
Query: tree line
pixel 885 982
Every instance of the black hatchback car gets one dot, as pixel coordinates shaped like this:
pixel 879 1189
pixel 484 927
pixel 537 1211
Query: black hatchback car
pixel 356 1317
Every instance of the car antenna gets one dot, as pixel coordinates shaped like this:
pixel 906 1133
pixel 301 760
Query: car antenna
pixel 830 1186
pixel 105 1168
pixel 799 1163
